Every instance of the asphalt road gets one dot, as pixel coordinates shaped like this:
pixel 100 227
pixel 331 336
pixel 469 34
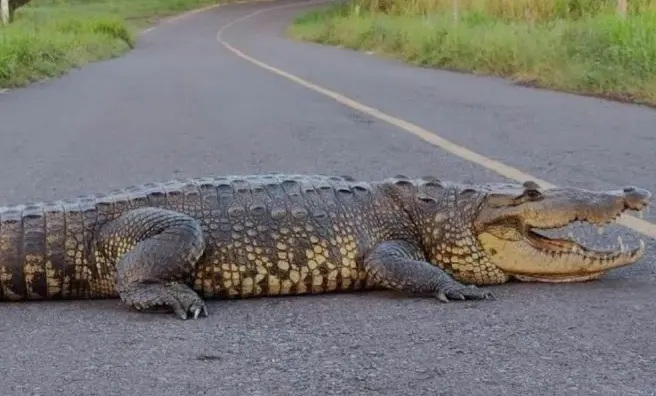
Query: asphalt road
pixel 181 104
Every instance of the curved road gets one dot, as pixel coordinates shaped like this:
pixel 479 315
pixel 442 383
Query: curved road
pixel 182 104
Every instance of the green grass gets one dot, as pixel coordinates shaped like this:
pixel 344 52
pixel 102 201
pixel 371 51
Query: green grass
pixel 592 53
pixel 49 37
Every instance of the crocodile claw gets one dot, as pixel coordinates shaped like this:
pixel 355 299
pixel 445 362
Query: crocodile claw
pixel 197 311
pixel 470 292
pixel 193 312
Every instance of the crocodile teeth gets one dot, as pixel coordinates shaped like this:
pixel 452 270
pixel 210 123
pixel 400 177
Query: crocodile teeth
pixel 600 230
pixel 642 244
pixel 640 214
pixel 622 247
pixel 570 235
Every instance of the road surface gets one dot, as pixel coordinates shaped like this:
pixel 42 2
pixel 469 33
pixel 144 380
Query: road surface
pixel 182 104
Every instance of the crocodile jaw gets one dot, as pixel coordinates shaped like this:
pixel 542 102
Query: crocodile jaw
pixel 530 256
pixel 507 229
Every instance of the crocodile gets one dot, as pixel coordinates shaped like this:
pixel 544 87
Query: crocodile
pixel 172 245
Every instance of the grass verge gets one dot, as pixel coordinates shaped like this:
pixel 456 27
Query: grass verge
pixel 592 53
pixel 49 37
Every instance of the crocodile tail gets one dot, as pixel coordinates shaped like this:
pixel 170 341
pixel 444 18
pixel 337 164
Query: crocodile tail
pixel 22 252
pixel 46 251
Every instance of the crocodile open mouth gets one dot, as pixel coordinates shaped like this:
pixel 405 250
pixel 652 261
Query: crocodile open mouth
pixel 538 257
pixel 555 246
pixel 572 246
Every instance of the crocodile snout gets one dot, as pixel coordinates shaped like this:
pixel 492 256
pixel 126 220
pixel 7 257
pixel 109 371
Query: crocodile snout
pixel 636 198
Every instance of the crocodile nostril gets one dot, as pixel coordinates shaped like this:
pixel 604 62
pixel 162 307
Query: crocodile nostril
pixel 629 189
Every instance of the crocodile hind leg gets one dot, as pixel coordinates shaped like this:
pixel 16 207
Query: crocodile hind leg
pixel 401 266
pixel 155 251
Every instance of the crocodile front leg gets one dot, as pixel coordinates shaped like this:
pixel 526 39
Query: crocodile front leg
pixel 401 266
pixel 155 251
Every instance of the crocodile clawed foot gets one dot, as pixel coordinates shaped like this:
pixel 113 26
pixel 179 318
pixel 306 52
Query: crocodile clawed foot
pixel 470 292
pixel 193 311
pixel 182 300
pixel 186 302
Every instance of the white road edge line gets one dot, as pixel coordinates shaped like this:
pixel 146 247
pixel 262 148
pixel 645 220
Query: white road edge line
pixel 644 227
pixel 196 11
pixel 179 16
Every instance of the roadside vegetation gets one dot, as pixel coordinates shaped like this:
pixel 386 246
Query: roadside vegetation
pixel 49 37
pixel 579 46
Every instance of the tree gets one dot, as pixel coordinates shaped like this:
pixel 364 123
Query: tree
pixel 9 8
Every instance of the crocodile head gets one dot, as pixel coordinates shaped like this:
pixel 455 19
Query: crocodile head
pixel 489 233
pixel 512 219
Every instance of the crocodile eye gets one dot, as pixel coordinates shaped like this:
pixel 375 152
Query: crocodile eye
pixel 426 198
pixel 533 194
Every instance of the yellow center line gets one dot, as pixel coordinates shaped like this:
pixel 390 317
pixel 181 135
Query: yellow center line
pixel 639 225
